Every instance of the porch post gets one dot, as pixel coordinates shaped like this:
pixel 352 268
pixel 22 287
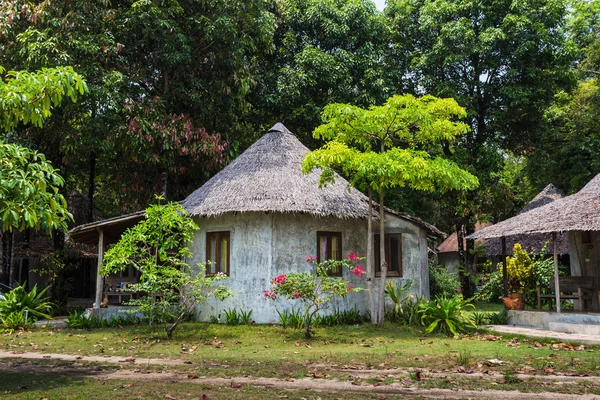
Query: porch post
pixel 556 273
pixel 504 272
pixel 99 278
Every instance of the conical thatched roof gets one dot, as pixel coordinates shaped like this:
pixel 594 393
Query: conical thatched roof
pixel 578 212
pixel 268 177
pixel 533 243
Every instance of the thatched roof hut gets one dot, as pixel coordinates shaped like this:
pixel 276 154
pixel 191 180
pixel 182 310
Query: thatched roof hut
pixel 268 177
pixel 578 212
pixel 532 242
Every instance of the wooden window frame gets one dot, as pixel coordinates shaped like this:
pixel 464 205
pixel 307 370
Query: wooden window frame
pixel 218 262
pixel 388 236
pixel 329 235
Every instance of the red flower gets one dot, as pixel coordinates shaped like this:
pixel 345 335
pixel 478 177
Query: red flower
pixel 359 271
pixel 352 257
pixel 350 287
pixel 311 259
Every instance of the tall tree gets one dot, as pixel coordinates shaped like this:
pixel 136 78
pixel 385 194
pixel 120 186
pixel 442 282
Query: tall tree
pixel 327 51
pixel 386 146
pixel 29 185
pixel 501 60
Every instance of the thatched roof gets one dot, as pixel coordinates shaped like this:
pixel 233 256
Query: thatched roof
pixel 268 177
pixel 578 212
pixel 431 230
pixel 534 242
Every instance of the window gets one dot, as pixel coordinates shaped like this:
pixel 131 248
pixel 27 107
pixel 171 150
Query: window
pixel 329 246
pixel 393 254
pixel 217 253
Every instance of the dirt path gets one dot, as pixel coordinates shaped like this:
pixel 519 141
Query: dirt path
pixel 401 387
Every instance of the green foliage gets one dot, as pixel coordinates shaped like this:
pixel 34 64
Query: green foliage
pixel 293 318
pixel 404 308
pixel 81 320
pixel 446 315
pixel 314 289
pixel 481 317
pixel 442 283
pixel 492 289
pixel 27 97
pixel 157 247
pixel 20 300
pixel 235 317
pixel 14 320
pixel 29 191
pixel 500 318
pixel 327 51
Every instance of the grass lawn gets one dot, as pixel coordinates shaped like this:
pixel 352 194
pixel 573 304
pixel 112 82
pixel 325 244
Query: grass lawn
pixel 271 351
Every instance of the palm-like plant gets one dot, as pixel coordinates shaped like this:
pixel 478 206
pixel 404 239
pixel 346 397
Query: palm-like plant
pixel 18 300
pixel 446 315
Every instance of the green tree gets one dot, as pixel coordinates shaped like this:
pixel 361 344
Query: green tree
pixel 501 60
pixel 29 184
pixel 327 51
pixel 157 248
pixel 387 146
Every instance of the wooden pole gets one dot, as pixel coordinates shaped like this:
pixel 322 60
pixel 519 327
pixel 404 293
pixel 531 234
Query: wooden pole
pixel 99 278
pixel 504 271
pixel 556 273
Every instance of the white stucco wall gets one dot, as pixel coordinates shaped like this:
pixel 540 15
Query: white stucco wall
pixel 265 245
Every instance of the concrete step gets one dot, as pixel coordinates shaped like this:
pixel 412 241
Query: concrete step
pixel 580 329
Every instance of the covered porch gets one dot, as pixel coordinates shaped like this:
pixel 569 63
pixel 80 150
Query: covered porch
pixel 113 289
pixel 579 216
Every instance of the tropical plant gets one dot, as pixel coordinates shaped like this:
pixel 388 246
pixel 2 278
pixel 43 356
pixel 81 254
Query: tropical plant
pixel 34 303
pixel 157 247
pixel 81 320
pixel 442 282
pixel 14 320
pixel 315 290
pixel 446 315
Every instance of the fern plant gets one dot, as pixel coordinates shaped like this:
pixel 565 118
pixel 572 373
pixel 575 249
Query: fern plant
pixel 19 300
pixel 446 315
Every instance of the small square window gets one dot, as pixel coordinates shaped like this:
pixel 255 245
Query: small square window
pixel 217 253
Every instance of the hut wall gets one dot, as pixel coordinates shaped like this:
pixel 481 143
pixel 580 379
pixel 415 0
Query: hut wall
pixel 414 253
pixel 449 260
pixel 263 246
pixel 250 261
pixel 584 252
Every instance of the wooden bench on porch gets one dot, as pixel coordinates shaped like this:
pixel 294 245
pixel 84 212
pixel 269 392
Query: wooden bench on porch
pixel 578 288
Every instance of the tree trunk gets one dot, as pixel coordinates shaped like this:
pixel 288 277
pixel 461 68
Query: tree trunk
pixel 2 253
pixel 370 269
pixel 381 300
pixel 11 263
pixel 91 187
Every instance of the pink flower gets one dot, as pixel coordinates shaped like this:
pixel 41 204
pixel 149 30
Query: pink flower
pixel 278 280
pixel 296 294
pixel 311 259
pixel 359 271
pixel 352 257
pixel 269 295
pixel 350 287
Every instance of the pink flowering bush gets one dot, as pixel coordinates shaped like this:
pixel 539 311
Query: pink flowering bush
pixel 315 290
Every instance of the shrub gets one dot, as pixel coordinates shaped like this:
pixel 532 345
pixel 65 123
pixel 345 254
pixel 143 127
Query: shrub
pixel 14 320
pixel 20 300
pixel 525 272
pixel 446 315
pixel 235 317
pixel 79 320
pixel 315 290
pixel 442 282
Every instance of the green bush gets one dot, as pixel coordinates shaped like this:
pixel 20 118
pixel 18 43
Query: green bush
pixel 442 283
pixel 14 320
pixel 79 320
pixel 19 300
pixel 492 289
pixel 446 315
